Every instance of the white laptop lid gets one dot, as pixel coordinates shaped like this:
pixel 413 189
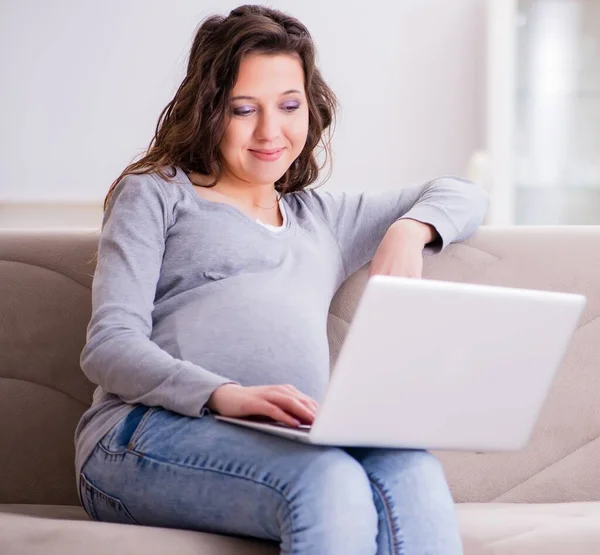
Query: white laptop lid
pixel 444 365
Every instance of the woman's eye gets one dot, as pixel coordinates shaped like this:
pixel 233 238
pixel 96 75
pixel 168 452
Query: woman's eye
pixel 291 107
pixel 242 111
pixel 246 110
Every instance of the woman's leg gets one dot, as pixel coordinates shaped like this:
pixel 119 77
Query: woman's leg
pixel 163 469
pixel 417 515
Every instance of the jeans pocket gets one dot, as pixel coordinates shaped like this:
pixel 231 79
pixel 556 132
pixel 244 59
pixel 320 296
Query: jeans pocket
pixel 119 439
pixel 103 507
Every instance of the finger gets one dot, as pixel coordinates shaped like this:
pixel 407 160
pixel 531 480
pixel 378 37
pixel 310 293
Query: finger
pixel 292 406
pixel 309 404
pixel 276 413
pixel 302 396
pixel 286 389
pixel 290 390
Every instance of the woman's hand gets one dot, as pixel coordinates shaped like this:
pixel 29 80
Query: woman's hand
pixel 400 252
pixel 283 403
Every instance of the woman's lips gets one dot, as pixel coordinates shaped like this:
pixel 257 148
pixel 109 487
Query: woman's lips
pixel 267 155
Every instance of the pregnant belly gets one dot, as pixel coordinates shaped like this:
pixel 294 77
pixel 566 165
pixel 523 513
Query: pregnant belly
pixel 250 345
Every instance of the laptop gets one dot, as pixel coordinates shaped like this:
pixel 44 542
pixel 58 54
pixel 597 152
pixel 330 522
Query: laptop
pixel 439 365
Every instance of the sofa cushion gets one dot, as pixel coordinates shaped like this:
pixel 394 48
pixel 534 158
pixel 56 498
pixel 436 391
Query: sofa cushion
pixel 530 529
pixel 32 535
pixel 486 529
pixel 62 512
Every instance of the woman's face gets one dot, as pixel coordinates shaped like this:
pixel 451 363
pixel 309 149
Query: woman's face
pixel 269 119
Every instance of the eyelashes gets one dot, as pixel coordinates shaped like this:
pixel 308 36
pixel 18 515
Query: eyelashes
pixel 288 107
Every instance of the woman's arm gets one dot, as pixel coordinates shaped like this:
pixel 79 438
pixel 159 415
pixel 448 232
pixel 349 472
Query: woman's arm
pixel 452 209
pixel 119 354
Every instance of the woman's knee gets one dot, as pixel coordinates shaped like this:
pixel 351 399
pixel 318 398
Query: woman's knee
pixel 330 504
pixel 413 477
pixel 388 463
pixel 413 499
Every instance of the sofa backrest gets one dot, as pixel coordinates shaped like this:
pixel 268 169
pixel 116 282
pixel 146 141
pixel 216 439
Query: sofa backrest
pixel 45 280
pixel 45 305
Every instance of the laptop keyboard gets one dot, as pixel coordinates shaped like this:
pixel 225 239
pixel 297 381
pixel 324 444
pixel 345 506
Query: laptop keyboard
pixel 264 420
pixel 302 428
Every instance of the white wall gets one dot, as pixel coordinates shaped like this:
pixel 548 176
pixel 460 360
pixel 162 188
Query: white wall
pixel 85 80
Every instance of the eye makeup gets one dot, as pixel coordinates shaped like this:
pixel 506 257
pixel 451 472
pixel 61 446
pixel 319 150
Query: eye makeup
pixel 288 106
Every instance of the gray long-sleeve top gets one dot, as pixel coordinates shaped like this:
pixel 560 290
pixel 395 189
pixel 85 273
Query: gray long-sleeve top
pixel 189 294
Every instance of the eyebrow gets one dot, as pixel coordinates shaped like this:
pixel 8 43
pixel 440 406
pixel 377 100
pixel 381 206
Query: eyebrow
pixel 244 97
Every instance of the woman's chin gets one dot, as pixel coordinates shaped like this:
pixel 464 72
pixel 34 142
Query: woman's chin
pixel 265 176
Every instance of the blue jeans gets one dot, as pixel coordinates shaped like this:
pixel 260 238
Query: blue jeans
pixel 159 468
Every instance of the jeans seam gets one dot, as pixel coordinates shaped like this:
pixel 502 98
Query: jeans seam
pixel 88 487
pixel 216 470
pixel 86 497
pixel 115 453
pixel 277 490
pixel 140 427
pixel 396 542
pixel 107 438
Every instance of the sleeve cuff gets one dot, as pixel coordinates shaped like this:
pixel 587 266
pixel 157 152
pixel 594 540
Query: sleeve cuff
pixel 195 388
pixel 433 216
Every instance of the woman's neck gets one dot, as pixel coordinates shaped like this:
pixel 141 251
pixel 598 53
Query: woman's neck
pixel 251 195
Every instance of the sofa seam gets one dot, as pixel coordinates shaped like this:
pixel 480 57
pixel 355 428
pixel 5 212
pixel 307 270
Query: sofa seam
pixel 339 317
pixel 68 395
pixel 478 249
pixel 495 499
pixel 51 270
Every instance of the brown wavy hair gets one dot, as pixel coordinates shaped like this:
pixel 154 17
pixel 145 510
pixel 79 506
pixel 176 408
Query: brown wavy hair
pixel 191 126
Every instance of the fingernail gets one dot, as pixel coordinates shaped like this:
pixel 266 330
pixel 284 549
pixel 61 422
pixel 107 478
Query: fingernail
pixel 296 423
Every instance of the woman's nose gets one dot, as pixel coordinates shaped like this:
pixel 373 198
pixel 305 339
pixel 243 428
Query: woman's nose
pixel 268 128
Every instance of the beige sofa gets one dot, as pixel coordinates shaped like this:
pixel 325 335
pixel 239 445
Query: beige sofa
pixel 542 500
